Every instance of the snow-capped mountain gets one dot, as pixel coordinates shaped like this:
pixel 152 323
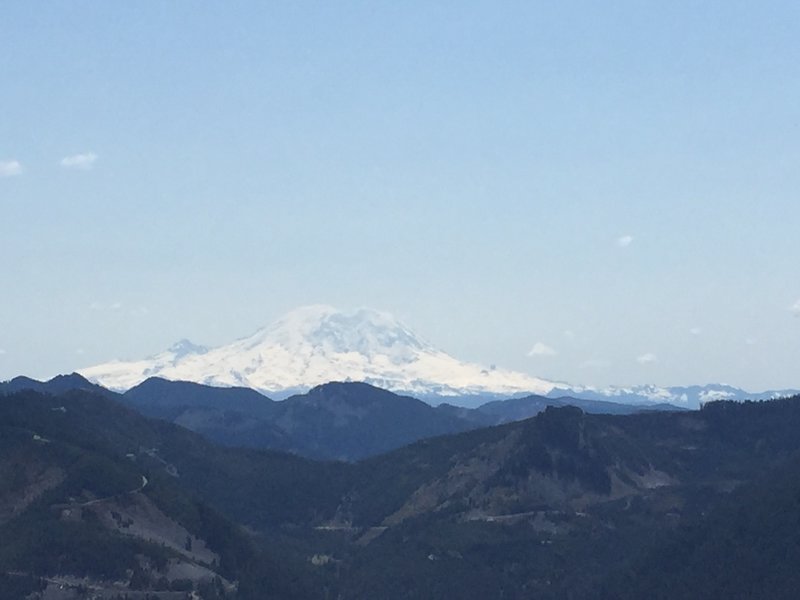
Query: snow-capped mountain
pixel 692 396
pixel 318 344
pixel 314 345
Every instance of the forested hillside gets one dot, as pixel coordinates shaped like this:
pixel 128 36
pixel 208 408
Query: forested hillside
pixel 565 504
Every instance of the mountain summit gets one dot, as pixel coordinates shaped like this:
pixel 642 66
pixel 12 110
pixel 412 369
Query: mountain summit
pixel 318 344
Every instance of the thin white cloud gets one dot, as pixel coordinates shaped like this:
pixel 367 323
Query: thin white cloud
pixel 541 349
pixel 9 168
pixel 795 308
pixel 647 358
pixel 751 341
pixel 2 351
pixel 695 331
pixel 624 241
pixel 83 162
pixel 569 334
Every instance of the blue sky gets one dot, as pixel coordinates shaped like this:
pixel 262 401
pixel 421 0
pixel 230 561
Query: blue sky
pixel 601 193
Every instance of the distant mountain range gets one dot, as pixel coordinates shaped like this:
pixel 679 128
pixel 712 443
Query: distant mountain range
pixel 314 345
pixel 334 421
pixel 693 396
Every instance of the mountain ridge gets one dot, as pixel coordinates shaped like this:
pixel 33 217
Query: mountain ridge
pixel 333 421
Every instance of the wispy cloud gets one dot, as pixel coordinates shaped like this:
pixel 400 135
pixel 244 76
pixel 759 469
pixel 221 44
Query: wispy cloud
pixel 624 241
pixel 795 308
pixel 695 331
pixel 2 351
pixel 84 162
pixel 9 168
pixel 121 308
pixel 647 358
pixel 541 349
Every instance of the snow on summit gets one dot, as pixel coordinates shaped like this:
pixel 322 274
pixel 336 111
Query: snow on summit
pixel 317 344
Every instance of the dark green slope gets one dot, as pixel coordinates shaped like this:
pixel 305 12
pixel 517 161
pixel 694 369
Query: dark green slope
pixel 228 416
pixel 335 421
pixel 356 420
pixel 551 506
pixel 563 505
pixel 748 547
pixel 89 488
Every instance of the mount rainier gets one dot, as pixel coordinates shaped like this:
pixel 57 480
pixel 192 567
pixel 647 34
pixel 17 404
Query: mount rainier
pixel 318 344
pixel 314 345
